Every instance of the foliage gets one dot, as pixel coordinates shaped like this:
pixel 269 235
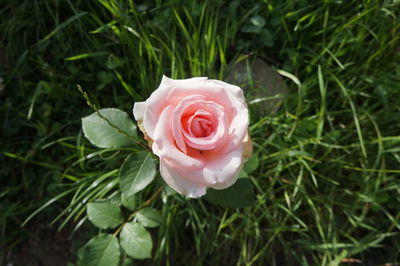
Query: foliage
pixel 327 163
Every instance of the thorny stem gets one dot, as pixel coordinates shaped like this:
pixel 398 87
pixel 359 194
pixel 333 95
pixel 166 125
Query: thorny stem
pixel 94 107
pixel 144 205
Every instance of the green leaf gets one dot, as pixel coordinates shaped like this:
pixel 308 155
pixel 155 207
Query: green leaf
pixel 252 164
pixel 102 250
pixel 128 202
pixel 258 21
pixel 115 199
pixel 136 241
pixel 243 173
pixel 240 195
pixel 101 134
pixel 149 217
pixel 127 261
pixel 104 214
pixel 137 171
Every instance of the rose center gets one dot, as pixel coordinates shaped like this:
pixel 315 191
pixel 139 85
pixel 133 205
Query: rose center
pixel 200 127
pixel 198 124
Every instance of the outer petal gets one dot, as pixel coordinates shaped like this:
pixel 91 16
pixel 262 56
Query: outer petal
pixel 223 167
pixel 233 90
pixel 220 170
pixel 138 110
pixel 228 182
pixel 237 130
pixel 179 183
pixel 239 115
pixel 209 90
pixel 168 82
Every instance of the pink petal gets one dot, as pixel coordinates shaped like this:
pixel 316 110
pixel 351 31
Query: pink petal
pixel 219 171
pixel 222 167
pixel 167 82
pixel 159 99
pixel 195 106
pixel 239 113
pixel 164 146
pixel 176 122
pixel 227 183
pixel 180 183
pixel 138 110
pixel 208 90
pixel 234 91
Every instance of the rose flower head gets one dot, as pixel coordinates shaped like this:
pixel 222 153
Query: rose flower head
pixel 198 129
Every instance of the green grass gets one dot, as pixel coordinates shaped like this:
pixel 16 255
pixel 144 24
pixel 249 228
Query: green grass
pixel 327 184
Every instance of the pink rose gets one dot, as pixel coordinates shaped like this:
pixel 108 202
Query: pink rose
pixel 198 129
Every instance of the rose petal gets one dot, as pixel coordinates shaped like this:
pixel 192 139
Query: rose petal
pixel 138 110
pixel 240 121
pixel 210 111
pixel 230 97
pixel 222 168
pixel 167 82
pixel 237 131
pixel 219 170
pixel 164 146
pixel 227 183
pixel 158 100
pixel 211 142
pixel 176 122
pixel 179 183
pixel 209 91
pixel 234 91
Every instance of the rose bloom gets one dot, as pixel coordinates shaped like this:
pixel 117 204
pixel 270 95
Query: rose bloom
pixel 198 129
